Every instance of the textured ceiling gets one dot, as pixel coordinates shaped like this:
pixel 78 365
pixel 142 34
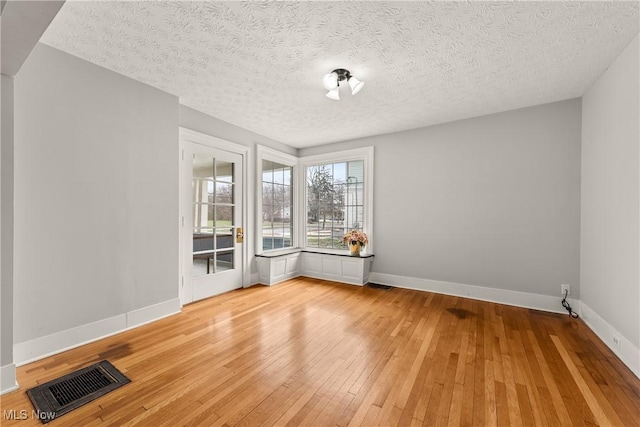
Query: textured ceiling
pixel 259 65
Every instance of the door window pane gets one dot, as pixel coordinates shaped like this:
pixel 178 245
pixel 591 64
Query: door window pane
pixel 213 209
pixel 224 215
pixel 224 238
pixel 200 265
pixel 203 240
pixel 202 167
pixel 223 193
pixel 224 171
pixel 224 261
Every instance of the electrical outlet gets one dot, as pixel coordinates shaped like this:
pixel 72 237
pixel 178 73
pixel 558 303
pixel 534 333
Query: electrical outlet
pixel 565 289
pixel 617 341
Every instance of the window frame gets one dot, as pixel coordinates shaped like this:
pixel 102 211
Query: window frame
pixel 366 155
pixel 266 153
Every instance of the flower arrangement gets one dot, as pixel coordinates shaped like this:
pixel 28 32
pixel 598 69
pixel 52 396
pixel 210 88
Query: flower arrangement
pixel 355 236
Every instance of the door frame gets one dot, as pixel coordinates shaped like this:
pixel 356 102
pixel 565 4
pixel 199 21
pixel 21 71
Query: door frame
pixel 190 136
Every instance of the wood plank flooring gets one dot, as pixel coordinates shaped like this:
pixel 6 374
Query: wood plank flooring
pixel 317 353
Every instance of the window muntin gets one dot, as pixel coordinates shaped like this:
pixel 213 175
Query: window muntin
pixel 213 208
pixel 277 205
pixel 334 202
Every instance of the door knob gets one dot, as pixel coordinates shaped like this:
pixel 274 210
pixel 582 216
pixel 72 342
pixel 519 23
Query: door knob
pixel 239 235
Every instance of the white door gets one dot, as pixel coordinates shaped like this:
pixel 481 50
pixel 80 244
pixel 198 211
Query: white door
pixel 212 234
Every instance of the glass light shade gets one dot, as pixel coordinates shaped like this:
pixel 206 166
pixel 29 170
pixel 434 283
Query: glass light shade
pixel 330 81
pixel 334 94
pixel 356 85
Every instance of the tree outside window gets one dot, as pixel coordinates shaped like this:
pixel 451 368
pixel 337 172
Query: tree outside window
pixel 335 194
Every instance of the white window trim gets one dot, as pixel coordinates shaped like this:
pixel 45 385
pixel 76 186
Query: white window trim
pixel 365 154
pixel 266 153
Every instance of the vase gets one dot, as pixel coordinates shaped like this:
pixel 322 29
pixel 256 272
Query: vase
pixel 355 247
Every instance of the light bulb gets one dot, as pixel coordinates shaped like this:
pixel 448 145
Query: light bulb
pixel 356 85
pixel 334 94
pixel 330 81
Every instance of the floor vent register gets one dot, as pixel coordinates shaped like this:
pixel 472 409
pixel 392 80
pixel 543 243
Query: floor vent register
pixel 62 395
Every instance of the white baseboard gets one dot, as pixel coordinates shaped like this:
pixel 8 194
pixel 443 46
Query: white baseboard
pixel 152 313
pixel 38 348
pixel 501 296
pixel 8 379
pixel 628 353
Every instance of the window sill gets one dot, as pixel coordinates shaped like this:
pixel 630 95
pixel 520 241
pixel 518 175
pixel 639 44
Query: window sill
pixel 279 253
pixel 333 252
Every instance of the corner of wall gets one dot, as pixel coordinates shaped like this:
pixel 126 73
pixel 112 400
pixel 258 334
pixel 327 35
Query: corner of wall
pixel 8 379
pixel 610 237
pixel 7 370
pixel 628 353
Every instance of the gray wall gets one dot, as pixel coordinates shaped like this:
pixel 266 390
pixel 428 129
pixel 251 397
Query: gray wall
pixel 610 240
pixel 491 201
pixel 22 25
pixel 6 224
pixel 96 194
pixel 200 122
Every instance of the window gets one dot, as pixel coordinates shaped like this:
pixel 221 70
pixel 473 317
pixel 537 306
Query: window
pixel 277 205
pixel 337 197
pixel 312 201
pixel 276 212
pixel 334 202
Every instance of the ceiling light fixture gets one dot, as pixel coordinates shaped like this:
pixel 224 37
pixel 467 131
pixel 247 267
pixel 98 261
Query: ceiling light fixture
pixel 331 82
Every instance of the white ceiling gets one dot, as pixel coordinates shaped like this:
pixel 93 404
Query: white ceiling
pixel 259 65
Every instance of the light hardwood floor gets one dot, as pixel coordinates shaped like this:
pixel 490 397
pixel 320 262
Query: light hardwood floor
pixel 311 352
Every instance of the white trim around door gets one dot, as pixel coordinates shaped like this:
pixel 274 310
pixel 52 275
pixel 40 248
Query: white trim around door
pixel 189 139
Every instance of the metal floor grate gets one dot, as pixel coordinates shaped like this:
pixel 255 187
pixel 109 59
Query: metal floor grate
pixel 379 286
pixel 60 396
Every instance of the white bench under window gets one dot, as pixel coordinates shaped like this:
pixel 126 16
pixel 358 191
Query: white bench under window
pixel 277 266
